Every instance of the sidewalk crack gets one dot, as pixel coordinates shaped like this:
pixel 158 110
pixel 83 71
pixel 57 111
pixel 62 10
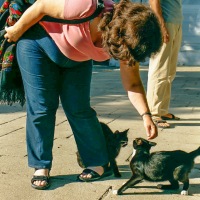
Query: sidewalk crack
pixel 105 194
pixel 12 120
pixel 11 132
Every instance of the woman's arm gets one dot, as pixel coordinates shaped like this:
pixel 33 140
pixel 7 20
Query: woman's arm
pixel 53 8
pixel 133 85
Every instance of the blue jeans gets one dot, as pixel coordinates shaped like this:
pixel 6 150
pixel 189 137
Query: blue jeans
pixel 47 76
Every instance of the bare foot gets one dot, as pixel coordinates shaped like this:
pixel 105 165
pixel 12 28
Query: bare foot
pixel 160 123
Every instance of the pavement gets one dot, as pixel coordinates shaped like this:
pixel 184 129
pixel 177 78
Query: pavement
pixel 110 101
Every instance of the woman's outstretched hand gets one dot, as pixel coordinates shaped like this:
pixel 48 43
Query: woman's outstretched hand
pixel 150 127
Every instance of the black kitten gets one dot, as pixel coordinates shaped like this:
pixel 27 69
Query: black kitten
pixel 173 166
pixel 114 142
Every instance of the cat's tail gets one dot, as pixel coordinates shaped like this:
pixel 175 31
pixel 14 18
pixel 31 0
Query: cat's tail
pixel 195 153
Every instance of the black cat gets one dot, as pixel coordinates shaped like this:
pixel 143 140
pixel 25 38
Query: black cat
pixel 173 166
pixel 114 142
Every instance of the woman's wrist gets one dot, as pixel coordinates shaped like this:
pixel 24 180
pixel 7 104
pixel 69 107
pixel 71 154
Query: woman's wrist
pixel 146 114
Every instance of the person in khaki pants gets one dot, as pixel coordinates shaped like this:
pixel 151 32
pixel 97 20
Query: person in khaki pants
pixel 162 66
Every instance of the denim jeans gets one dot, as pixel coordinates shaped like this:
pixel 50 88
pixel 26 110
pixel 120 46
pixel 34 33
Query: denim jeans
pixel 49 76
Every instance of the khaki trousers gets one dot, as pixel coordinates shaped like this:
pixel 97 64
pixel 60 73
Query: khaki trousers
pixel 162 71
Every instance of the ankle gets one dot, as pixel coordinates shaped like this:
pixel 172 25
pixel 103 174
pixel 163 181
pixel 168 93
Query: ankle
pixel 41 172
pixel 97 169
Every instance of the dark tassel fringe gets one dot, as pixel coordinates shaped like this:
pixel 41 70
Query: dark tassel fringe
pixel 11 87
pixel 12 96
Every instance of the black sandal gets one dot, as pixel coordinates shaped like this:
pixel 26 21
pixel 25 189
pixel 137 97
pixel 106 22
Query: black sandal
pixel 40 178
pixel 94 175
pixel 173 117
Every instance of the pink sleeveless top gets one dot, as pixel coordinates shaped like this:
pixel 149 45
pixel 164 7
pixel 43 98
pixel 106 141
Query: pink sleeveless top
pixel 74 41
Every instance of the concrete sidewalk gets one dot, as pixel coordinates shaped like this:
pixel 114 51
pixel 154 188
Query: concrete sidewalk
pixel 113 107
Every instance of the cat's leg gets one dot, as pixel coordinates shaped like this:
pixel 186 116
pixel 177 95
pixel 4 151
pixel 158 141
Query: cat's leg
pixel 181 174
pixel 184 178
pixel 114 167
pixel 174 185
pixel 185 187
pixel 130 183
pixel 79 160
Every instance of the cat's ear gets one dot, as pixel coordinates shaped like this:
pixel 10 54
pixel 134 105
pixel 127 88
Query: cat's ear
pixel 126 131
pixel 123 132
pixel 117 132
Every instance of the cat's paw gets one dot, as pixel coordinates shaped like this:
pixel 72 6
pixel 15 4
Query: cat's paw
pixel 184 192
pixel 115 192
pixel 159 186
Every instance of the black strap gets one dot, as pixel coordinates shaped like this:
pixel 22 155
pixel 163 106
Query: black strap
pixel 100 6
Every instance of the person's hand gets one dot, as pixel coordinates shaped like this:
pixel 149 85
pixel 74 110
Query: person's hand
pixel 165 34
pixel 150 127
pixel 12 35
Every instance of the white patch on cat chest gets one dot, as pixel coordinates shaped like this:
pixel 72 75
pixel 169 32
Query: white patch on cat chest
pixel 134 152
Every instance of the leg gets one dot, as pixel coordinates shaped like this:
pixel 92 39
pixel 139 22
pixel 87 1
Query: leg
pixel 75 98
pixel 40 78
pixel 181 174
pixel 174 185
pixel 79 160
pixel 186 185
pixel 158 79
pixel 176 47
pixel 114 167
pixel 130 183
pixel 175 32
pixel 37 54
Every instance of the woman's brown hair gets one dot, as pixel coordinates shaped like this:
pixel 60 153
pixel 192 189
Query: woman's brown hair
pixel 131 32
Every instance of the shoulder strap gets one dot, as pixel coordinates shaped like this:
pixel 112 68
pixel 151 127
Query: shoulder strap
pixel 100 6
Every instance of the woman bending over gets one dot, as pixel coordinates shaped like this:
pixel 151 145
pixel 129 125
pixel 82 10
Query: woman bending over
pixel 56 63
